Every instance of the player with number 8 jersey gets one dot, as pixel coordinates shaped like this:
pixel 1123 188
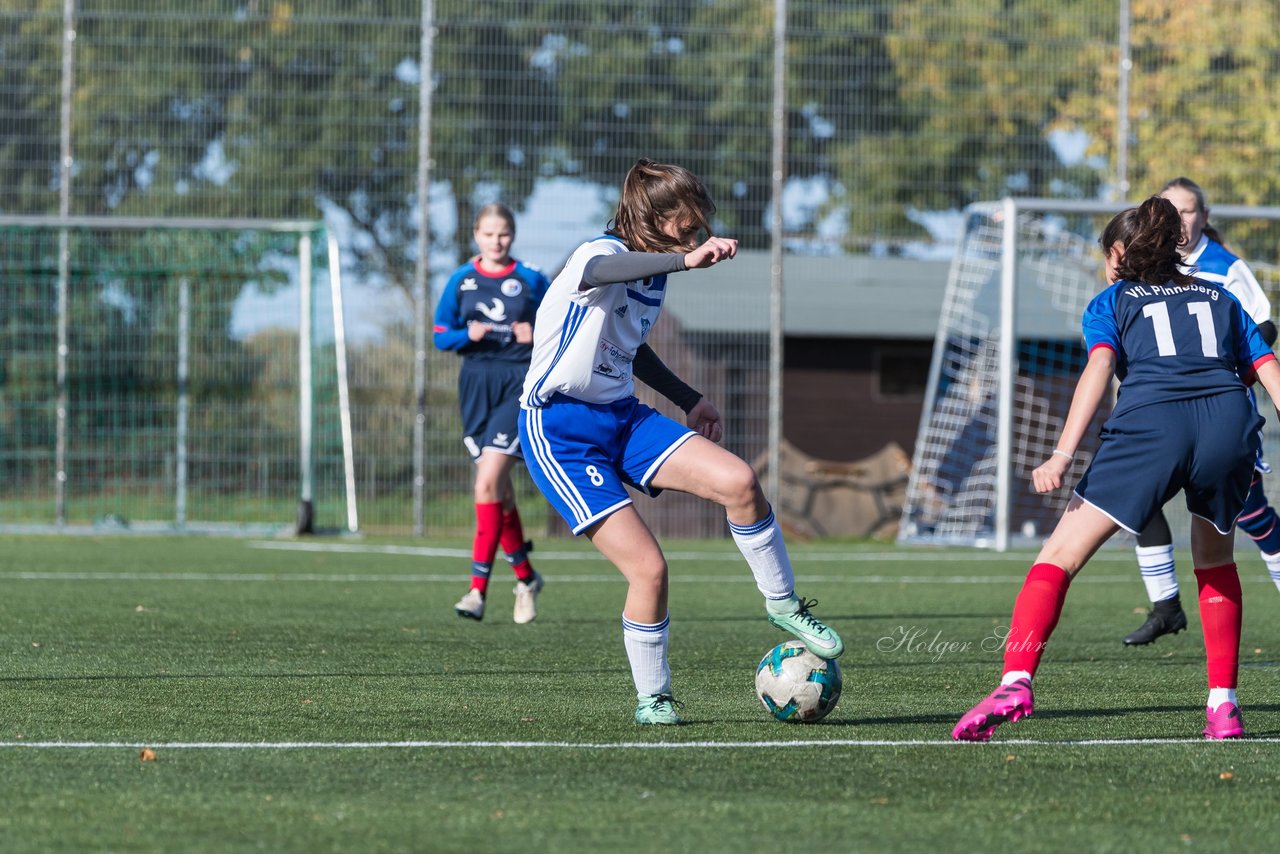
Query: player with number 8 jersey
pixel 589 438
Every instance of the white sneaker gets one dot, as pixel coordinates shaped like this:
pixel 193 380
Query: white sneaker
pixel 526 609
pixel 471 605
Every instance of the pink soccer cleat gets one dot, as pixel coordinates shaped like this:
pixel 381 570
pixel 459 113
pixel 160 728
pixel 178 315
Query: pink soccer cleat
pixel 1006 703
pixel 1224 722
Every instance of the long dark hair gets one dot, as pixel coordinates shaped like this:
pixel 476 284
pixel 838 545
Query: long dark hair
pixel 1150 234
pixel 1194 189
pixel 654 192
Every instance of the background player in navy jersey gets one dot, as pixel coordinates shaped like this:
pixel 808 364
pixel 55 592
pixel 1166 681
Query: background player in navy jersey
pixel 1205 257
pixel 1185 352
pixel 486 314
pixel 587 436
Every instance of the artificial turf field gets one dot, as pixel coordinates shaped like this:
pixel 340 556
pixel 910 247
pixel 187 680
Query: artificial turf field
pixel 321 695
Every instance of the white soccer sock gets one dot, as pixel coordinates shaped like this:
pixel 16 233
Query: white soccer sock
pixel 766 553
pixel 1218 696
pixel 1013 676
pixel 646 645
pixel 1273 567
pixel 1156 563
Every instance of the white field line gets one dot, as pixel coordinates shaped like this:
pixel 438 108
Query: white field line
pixel 614 578
pixel 617 745
pixel 798 557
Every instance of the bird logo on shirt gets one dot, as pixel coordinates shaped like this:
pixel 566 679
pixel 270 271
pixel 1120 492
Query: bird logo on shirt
pixel 495 313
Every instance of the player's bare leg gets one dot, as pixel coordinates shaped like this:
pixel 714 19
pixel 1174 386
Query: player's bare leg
pixel 626 541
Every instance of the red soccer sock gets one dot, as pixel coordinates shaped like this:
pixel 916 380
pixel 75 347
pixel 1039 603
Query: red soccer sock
pixel 485 544
pixel 513 544
pixel 1035 613
pixel 1220 612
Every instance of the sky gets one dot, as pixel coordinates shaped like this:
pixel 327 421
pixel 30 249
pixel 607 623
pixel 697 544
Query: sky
pixel 560 214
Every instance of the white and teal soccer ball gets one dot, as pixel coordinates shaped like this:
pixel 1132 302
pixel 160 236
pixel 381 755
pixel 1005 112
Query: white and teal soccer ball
pixel 795 685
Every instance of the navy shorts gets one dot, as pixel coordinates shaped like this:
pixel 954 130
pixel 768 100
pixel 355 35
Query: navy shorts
pixel 582 456
pixel 1204 447
pixel 489 398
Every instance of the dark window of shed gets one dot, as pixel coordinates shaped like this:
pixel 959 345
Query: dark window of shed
pixel 902 371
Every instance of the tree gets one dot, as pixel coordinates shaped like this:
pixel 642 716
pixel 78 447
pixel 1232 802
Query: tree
pixel 978 88
pixel 1203 104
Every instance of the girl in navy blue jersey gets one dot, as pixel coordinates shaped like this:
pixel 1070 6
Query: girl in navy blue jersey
pixel 1205 257
pixel 486 314
pixel 1185 352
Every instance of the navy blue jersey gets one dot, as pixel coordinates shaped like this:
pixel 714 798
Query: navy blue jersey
pixel 500 299
pixel 1173 342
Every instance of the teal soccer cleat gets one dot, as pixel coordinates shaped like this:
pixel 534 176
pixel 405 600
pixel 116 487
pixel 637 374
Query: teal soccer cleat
pixel 818 637
pixel 658 709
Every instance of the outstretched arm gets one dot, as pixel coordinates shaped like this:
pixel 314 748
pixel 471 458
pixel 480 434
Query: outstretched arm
pixel 633 266
pixel 1090 389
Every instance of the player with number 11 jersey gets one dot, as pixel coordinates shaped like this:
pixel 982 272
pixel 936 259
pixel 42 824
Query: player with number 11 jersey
pixel 1173 343
pixel 1178 342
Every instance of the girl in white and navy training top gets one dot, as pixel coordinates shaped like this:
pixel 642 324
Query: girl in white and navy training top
pixel 587 437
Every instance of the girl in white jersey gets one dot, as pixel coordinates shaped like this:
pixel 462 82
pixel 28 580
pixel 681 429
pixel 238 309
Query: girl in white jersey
pixel 586 436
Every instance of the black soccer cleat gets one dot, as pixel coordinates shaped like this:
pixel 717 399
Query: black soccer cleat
pixel 1160 621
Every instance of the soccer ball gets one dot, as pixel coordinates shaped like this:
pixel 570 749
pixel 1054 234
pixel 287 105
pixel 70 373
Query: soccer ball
pixel 795 685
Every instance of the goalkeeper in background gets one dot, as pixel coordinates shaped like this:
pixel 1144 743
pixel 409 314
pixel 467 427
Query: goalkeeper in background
pixel 1205 257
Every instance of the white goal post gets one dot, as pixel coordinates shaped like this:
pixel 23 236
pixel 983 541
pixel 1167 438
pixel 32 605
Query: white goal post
pixel 127 397
pixel 1006 357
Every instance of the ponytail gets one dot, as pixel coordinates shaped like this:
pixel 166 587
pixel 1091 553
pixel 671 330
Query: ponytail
pixel 1150 235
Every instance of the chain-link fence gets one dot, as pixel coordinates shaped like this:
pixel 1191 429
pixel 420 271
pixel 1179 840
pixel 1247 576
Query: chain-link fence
pixel 896 116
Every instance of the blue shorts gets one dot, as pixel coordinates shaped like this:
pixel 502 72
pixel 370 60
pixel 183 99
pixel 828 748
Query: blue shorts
pixel 1204 447
pixel 582 456
pixel 489 399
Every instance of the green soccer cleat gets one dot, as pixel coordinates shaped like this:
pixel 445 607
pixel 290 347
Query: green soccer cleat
pixel 658 709
pixel 818 637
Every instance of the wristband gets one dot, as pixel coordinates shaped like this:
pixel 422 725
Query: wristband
pixel 1071 457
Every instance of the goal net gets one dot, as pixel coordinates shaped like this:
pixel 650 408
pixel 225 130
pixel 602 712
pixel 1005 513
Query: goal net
pixel 1006 358
pixel 172 375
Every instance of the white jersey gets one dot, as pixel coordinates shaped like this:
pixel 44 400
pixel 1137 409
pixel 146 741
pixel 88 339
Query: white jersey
pixel 1212 261
pixel 584 341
